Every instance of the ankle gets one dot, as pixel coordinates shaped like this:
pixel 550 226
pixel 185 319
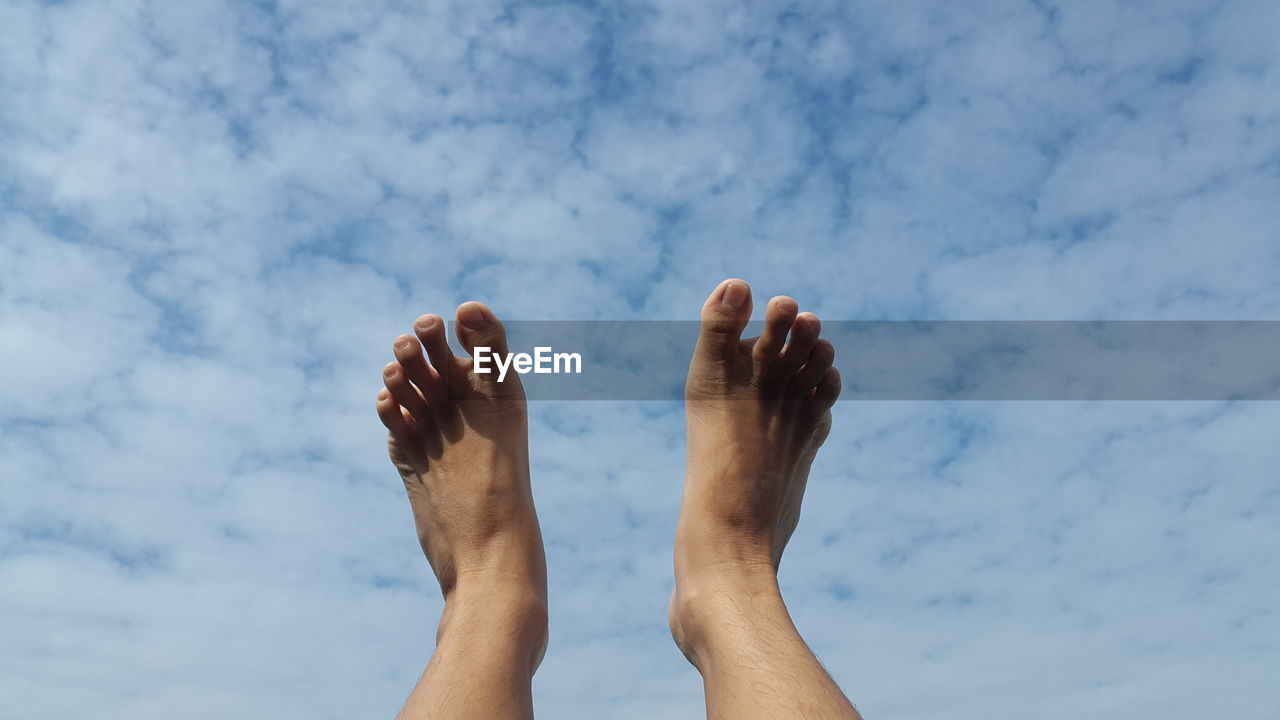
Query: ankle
pixel 708 609
pixel 504 621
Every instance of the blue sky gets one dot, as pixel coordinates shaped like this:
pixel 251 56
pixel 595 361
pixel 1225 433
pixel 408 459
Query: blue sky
pixel 214 217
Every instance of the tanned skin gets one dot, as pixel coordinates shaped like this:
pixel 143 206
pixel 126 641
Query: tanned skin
pixel 757 412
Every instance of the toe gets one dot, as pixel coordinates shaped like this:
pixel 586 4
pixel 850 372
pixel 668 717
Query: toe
pixel 478 326
pixel 826 392
pixel 779 315
pixel 815 368
pixel 409 354
pixel 397 381
pixel 392 416
pixel 804 333
pixel 724 316
pixel 430 332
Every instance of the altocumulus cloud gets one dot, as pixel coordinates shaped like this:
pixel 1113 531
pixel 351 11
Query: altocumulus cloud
pixel 215 216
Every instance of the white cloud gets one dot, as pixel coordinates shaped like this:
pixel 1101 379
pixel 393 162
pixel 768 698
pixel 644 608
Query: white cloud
pixel 215 217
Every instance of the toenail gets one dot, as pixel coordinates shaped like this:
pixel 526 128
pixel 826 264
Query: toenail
pixel 426 323
pixel 390 372
pixel 472 317
pixel 402 343
pixel 735 294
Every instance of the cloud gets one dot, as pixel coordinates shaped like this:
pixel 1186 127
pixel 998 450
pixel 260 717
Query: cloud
pixel 215 217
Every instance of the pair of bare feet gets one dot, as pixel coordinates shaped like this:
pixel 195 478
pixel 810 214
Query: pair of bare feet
pixel 757 411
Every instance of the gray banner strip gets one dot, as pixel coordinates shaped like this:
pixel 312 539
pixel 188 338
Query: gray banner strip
pixel 1111 360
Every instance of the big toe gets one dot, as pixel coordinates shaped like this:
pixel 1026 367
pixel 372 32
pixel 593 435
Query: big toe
pixel 724 316
pixel 478 327
pixel 484 337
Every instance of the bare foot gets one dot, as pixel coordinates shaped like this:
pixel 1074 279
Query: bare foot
pixel 460 442
pixel 757 412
